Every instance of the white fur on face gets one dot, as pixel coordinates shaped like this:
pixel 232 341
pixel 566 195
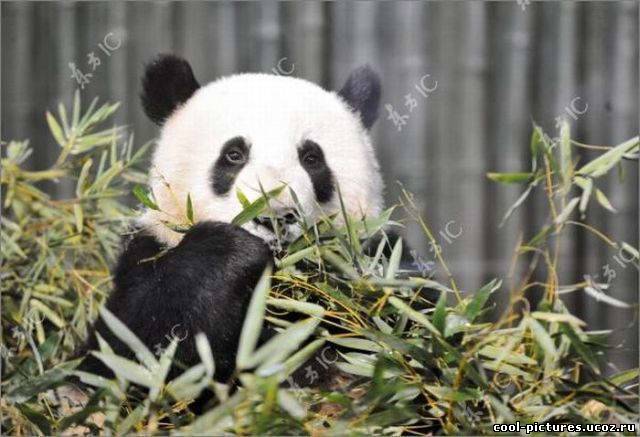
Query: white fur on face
pixel 275 115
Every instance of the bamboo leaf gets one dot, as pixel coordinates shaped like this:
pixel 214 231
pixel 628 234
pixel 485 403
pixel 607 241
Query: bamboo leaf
pixel 206 355
pixel 604 201
pixel 127 369
pixel 189 209
pixel 480 299
pixel 55 129
pixel 253 320
pixel 602 164
pixel 557 318
pixel 143 196
pixel 121 331
pixel 566 165
pixel 566 212
pixel 510 178
pixel 256 207
pixel 602 297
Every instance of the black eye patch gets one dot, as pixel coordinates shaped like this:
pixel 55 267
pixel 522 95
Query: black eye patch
pixel 233 157
pixel 312 160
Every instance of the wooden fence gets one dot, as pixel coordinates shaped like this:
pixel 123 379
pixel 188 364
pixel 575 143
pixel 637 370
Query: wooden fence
pixel 492 68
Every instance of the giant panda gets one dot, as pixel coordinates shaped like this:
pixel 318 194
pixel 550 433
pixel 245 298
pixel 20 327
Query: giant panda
pixel 247 132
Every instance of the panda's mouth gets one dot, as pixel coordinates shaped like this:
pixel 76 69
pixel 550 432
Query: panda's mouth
pixel 277 232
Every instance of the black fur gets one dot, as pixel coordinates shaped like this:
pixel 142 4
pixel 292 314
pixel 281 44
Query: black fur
pixel 318 170
pixel 362 92
pixel 167 83
pixel 225 172
pixel 204 284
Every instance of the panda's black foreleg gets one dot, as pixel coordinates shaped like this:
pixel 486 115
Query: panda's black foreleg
pixel 204 284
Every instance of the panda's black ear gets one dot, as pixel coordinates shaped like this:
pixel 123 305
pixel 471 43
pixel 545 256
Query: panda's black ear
pixel 362 92
pixel 168 82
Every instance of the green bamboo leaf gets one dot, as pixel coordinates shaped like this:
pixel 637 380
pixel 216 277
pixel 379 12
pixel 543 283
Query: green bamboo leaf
pixel 602 164
pixel 413 315
pixel 206 355
pixel 75 118
pixel 48 313
pixel 440 312
pixel 143 196
pixel 510 178
pixel 583 350
pixel 127 369
pixel 586 185
pixel 55 129
pixel 136 416
pixel 557 318
pixel 604 201
pixel 39 384
pixel 121 331
pixel 499 355
pixel 242 198
pixel 365 370
pixel 455 323
pixel 394 260
pixel 207 423
pixel 300 307
pixel 566 165
pixel 475 307
pixel 38 419
pixel 189 384
pixel 622 378
pixel 542 337
pixel 277 349
pixel 566 212
pixel 302 356
pixel 336 261
pixel 508 369
pixel 602 297
pixel 253 320
pixel 256 207
pixel 100 382
pixel 291 405
pixel 189 209
pixel 517 203
pixel 165 361
pixel 83 177
pixel 79 217
pixel 357 343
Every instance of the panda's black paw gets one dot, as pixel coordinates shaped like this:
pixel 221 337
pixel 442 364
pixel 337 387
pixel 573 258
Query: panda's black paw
pixel 226 243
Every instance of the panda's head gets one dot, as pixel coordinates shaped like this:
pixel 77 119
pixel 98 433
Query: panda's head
pixel 254 132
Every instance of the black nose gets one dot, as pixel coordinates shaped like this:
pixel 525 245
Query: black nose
pixel 290 218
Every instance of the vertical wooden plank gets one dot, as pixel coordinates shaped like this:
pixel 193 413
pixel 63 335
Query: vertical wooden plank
pixel 354 38
pixel 226 61
pixel 267 35
pixel 42 87
pixel 624 225
pixel 63 49
pixel 17 75
pixel 507 110
pixel 468 164
pixel 149 26
pixel 446 102
pixel 591 250
pixel 403 153
pixel 566 92
pixel 197 47
pixel 303 39
pixel 115 71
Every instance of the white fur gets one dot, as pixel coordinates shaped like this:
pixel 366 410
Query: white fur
pixel 275 114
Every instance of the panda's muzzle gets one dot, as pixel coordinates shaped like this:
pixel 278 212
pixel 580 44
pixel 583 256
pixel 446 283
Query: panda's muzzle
pixel 280 221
